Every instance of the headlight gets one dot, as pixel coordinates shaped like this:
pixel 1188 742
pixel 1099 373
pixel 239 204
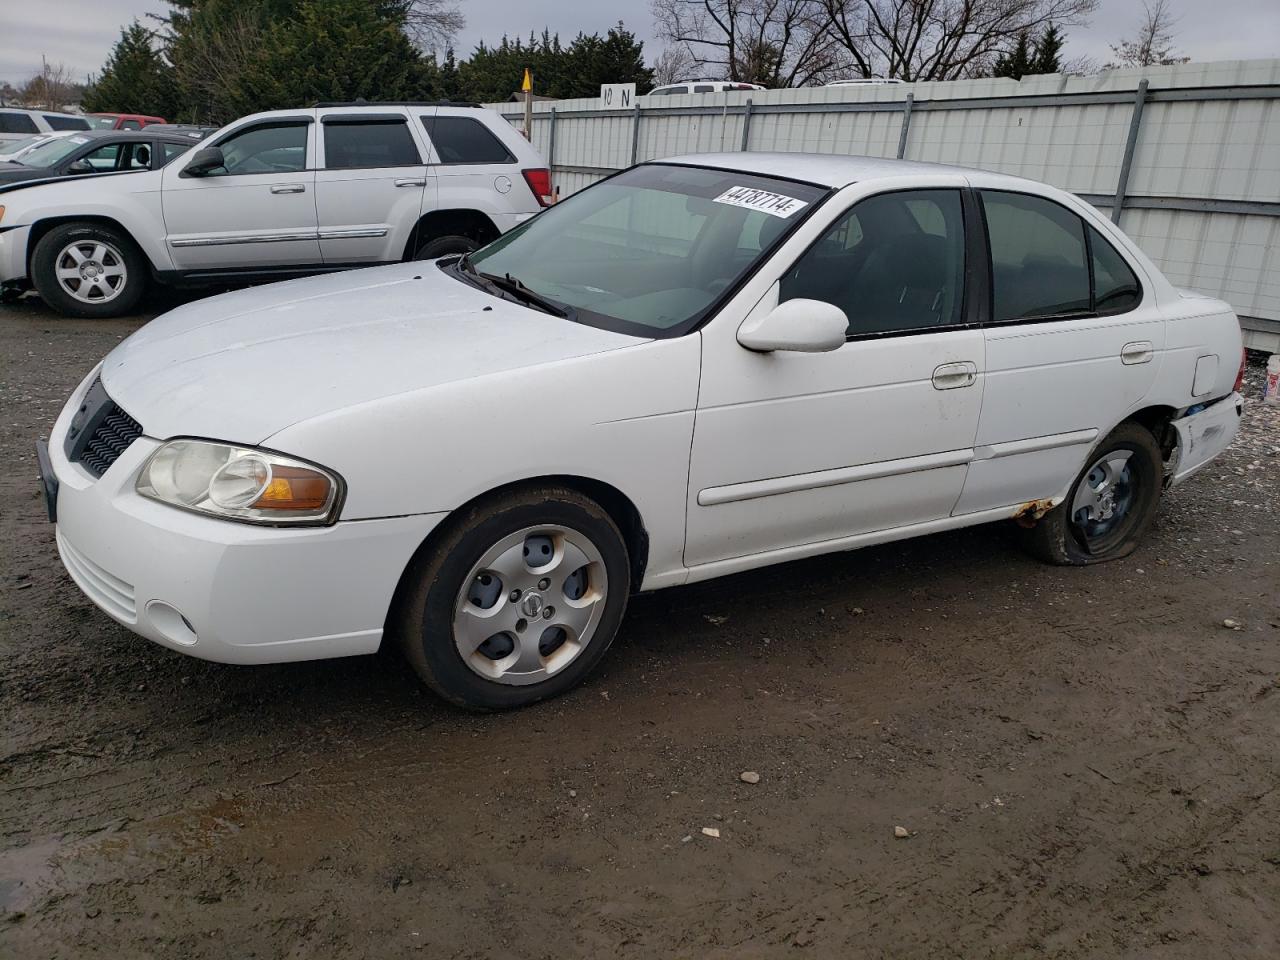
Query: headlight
pixel 239 483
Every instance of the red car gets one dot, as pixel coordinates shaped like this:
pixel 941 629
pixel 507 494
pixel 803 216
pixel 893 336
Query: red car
pixel 122 121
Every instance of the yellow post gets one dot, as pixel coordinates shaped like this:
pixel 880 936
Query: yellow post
pixel 527 87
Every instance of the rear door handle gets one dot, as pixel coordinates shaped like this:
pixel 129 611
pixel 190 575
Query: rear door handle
pixel 411 183
pixel 1138 352
pixel 953 376
pixel 289 188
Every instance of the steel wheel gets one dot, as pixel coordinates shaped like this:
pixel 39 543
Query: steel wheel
pixel 530 605
pixel 91 271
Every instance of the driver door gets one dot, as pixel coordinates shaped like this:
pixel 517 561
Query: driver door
pixel 258 211
pixel 798 450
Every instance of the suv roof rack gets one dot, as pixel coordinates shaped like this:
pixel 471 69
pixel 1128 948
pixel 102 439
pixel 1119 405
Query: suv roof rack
pixel 395 103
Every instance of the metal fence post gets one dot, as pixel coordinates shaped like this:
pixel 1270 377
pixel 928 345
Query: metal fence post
pixel 906 125
pixel 635 136
pixel 1135 122
pixel 551 152
pixel 746 125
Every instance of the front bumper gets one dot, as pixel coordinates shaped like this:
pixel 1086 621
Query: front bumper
pixel 13 255
pixel 220 590
pixel 1204 435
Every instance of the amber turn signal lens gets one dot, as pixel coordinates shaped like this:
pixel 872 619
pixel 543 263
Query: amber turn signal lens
pixel 294 488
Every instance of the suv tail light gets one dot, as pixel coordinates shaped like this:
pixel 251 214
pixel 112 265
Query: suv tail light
pixel 539 181
pixel 1244 362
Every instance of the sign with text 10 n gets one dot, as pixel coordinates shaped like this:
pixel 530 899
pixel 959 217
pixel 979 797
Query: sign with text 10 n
pixel 618 96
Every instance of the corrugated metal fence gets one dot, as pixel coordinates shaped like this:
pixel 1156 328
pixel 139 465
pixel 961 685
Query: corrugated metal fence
pixel 1186 158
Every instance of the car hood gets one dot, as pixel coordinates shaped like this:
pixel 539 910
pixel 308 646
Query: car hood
pixel 245 365
pixel 11 172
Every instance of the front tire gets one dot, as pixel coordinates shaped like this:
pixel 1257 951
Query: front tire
pixel 517 599
pixel 1110 507
pixel 89 270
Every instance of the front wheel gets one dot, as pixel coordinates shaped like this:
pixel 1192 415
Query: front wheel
pixel 516 601
pixel 88 270
pixel 1111 505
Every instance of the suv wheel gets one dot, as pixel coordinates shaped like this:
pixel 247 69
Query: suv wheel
pixel 517 601
pixel 88 270
pixel 443 246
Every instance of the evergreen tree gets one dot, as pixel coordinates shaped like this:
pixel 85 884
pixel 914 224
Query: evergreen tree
pixel 1048 57
pixel 1015 63
pixel 332 50
pixel 135 78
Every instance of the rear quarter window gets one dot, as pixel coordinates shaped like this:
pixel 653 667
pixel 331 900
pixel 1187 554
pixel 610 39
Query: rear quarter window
pixel 17 123
pixel 464 140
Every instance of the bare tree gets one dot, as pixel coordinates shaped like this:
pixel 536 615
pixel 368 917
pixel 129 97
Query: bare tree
pixel 672 65
pixel 50 89
pixel 209 64
pixel 938 39
pixel 1153 45
pixel 777 43
pixel 432 24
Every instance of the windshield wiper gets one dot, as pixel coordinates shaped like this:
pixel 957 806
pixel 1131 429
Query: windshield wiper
pixel 516 287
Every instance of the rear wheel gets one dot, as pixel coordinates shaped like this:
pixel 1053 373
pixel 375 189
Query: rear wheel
pixel 88 270
pixel 517 600
pixel 444 246
pixel 1111 505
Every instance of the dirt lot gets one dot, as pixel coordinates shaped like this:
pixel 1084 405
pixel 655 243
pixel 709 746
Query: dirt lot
pixel 1085 760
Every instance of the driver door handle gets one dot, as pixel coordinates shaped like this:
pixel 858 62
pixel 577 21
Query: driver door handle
pixel 952 376
pixel 289 188
pixel 411 183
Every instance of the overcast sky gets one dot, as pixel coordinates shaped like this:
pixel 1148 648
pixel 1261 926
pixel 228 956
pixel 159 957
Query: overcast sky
pixel 80 33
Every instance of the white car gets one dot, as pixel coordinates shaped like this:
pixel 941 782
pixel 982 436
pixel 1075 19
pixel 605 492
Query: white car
pixel 701 86
pixel 274 195
pixel 696 367
pixel 16 123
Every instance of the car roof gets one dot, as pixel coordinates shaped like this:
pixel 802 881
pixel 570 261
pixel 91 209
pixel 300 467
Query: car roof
pixel 145 133
pixel 827 170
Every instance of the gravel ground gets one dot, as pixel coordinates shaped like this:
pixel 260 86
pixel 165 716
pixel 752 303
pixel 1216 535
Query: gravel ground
pixel 1083 760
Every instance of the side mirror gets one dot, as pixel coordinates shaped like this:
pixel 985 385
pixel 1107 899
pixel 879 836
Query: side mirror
pixel 205 161
pixel 80 166
pixel 805 326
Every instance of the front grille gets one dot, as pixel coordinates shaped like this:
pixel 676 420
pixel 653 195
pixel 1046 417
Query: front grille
pixel 100 431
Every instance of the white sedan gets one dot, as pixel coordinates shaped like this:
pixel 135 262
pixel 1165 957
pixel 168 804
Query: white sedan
pixel 696 367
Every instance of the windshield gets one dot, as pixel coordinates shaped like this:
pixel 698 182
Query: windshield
pixel 651 250
pixel 10 150
pixel 53 151
pixel 102 123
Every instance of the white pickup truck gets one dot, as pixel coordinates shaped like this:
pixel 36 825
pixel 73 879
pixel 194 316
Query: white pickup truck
pixel 275 195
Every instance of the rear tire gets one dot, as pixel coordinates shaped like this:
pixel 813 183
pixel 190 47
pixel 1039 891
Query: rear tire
pixel 1110 507
pixel 489 624
pixel 443 246
pixel 89 270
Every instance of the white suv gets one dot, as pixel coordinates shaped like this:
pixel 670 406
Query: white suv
pixel 273 195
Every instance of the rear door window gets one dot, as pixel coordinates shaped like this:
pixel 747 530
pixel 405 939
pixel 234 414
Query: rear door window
pixel 464 140
pixel 65 123
pixel 1039 266
pixel 350 146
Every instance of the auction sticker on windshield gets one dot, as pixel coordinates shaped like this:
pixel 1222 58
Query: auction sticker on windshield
pixel 774 204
